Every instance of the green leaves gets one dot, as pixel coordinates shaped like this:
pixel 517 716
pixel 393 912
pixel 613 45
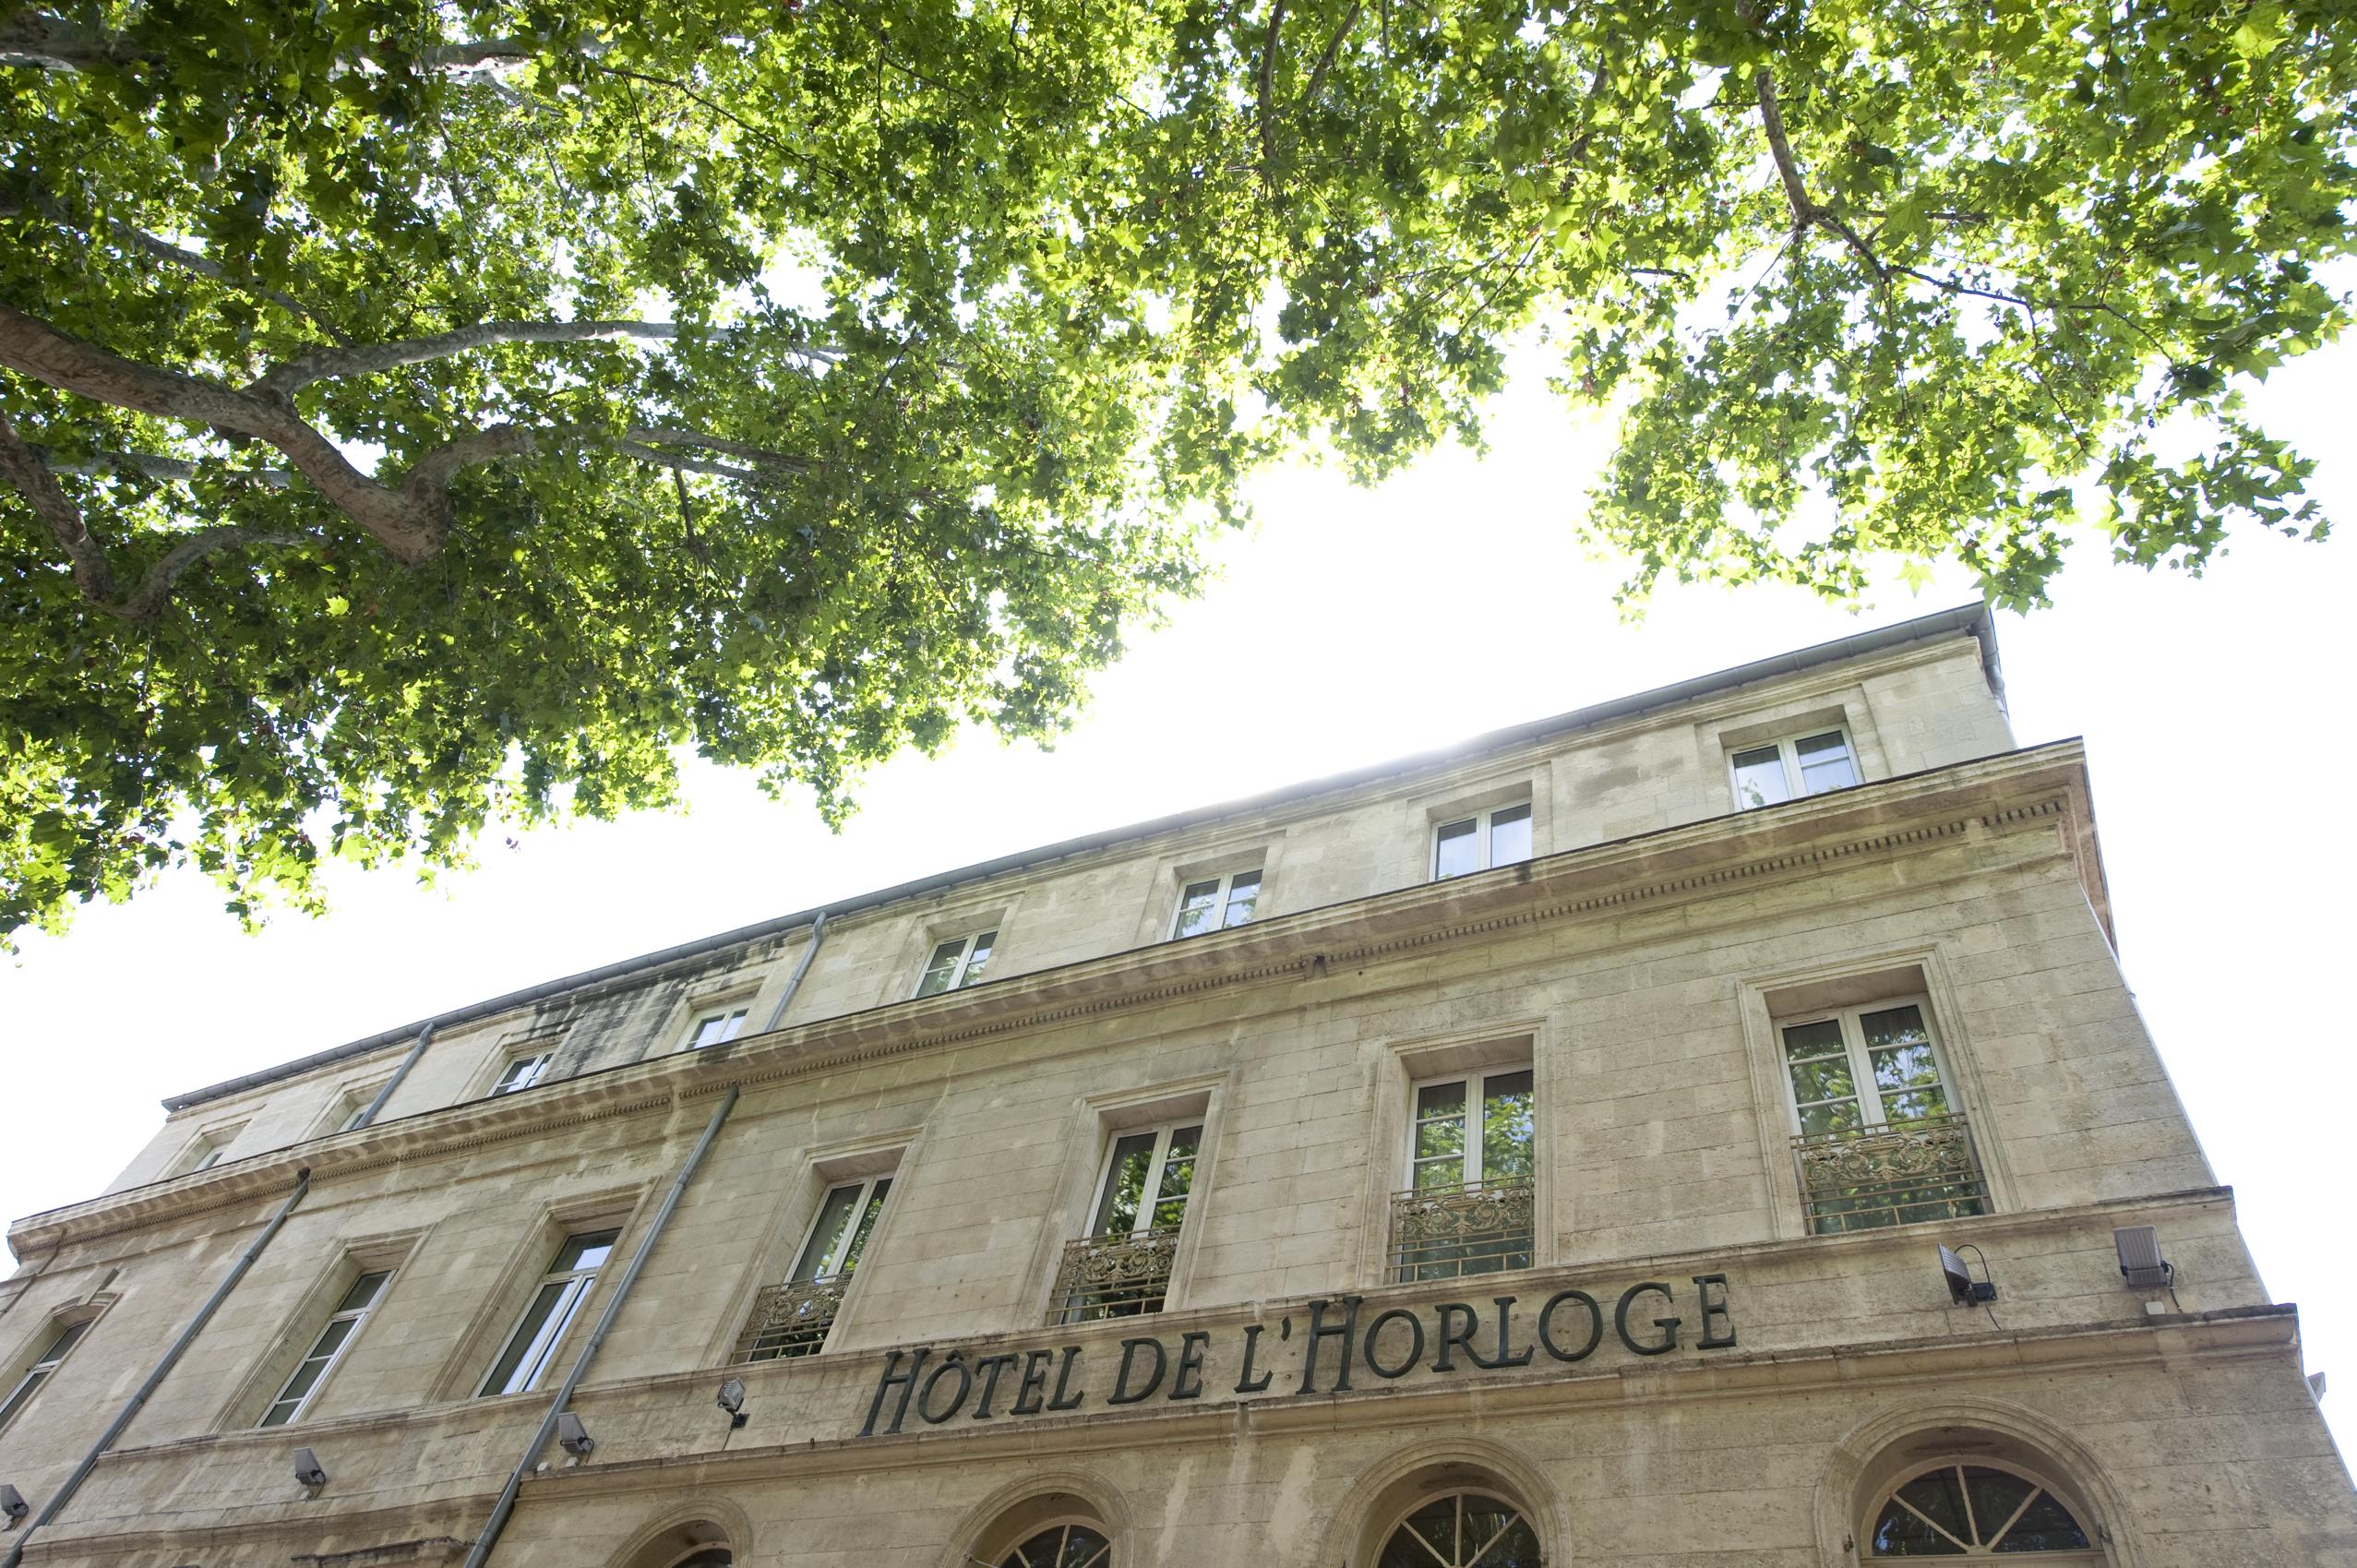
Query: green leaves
pixel 977 314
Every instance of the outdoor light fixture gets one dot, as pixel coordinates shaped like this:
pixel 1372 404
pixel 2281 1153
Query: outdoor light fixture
pixel 2141 1263
pixel 12 1503
pixel 573 1437
pixel 308 1470
pixel 731 1399
pixel 1963 1290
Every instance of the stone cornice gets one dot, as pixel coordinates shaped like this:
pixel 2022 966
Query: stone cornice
pixel 1946 1361
pixel 2011 791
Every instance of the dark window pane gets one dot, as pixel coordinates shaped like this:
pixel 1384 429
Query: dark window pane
pixel 363 1290
pixel 1125 1185
pixel 1456 850
pixel 2044 1525
pixel 834 1214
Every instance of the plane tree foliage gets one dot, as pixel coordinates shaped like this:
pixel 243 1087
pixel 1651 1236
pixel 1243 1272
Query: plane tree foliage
pixel 416 414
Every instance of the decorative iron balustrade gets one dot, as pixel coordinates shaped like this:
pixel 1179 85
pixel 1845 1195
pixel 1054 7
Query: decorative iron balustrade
pixel 1893 1173
pixel 1113 1276
pixel 1442 1232
pixel 791 1319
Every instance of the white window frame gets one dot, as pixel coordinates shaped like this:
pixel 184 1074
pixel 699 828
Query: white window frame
pixel 205 1150
pixel 730 1019
pixel 1484 825
pixel 1472 1078
pixel 831 1266
pixel 1223 897
pixel 1787 751
pixel 1150 1192
pixel 535 1065
pixel 1861 1066
pixel 357 1317
pixel 542 1350
pixel 51 1356
pixel 962 972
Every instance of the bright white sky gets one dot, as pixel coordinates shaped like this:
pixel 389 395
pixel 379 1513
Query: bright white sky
pixel 1358 626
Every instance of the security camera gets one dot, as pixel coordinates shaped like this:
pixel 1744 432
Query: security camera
pixel 12 1503
pixel 731 1399
pixel 308 1470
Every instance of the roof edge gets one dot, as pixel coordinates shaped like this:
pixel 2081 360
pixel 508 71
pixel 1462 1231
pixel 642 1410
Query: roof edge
pixel 1969 620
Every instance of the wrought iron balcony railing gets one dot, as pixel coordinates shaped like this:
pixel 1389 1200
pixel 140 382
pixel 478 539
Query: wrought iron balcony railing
pixel 1442 1232
pixel 1113 1276
pixel 791 1319
pixel 1893 1173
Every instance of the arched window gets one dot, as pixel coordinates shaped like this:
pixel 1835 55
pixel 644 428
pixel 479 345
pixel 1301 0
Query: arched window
pixel 710 1557
pixel 1961 1509
pixel 1463 1529
pixel 1062 1546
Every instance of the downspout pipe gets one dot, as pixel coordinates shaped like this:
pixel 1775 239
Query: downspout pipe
pixel 507 1503
pixel 65 1494
pixel 794 982
pixel 369 1117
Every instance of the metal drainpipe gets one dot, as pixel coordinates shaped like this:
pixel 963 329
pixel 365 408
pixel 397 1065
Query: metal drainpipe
pixel 507 1503
pixel 65 1494
pixel 369 1117
pixel 809 951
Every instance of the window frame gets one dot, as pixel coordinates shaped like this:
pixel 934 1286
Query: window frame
pixel 358 1317
pixel 867 1199
pixel 962 971
pixel 579 1283
pixel 1786 747
pixel 204 1150
pixel 538 1062
pixel 2092 1555
pixel 1857 1052
pixel 728 1015
pixel 62 1337
pixel 1473 1151
pixel 1156 1161
pixel 1484 820
pixel 1223 900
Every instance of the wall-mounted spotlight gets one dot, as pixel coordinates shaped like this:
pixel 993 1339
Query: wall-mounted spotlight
pixel 1963 1290
pixel 2142 1266
pixel 307 1469
pixel 573 1437
pixel 731 1399
pixel 12 1503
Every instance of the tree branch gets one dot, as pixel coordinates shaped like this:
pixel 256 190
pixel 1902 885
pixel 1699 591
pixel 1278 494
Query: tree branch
pixel 24 467
pixel 155 588
pixel 410 531
pixel 206 267
pixel 24 470
pixel 1268 78
pixel 367 359
pixel 1325 60
pixel 52 43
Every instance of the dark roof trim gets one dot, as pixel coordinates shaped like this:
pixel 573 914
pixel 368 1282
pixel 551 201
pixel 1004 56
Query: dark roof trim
pixel 1972 620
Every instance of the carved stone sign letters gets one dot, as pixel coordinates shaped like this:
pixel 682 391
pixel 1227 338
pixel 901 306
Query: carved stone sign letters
pixel 1339 1343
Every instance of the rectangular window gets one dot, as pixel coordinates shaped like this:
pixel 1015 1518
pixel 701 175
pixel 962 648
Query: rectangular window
pixel 1785 770
pixel 714 1029
pixel 1122 1266
pixel 792 1319
pixel 38 1373
pixel 1472 1163
pixel 1498 837
pixel 206 1151
pixel 1875 1138
pixel 958 962
pixel 553 1305
pixel 522 1074
pixel 342 1327
pixel 1217 903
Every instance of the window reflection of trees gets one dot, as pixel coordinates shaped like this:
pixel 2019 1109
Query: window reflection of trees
pixel 1465 1530
pixel 1062 1546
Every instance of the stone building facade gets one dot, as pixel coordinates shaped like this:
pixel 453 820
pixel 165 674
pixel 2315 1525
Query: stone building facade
pixel 1540 1151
